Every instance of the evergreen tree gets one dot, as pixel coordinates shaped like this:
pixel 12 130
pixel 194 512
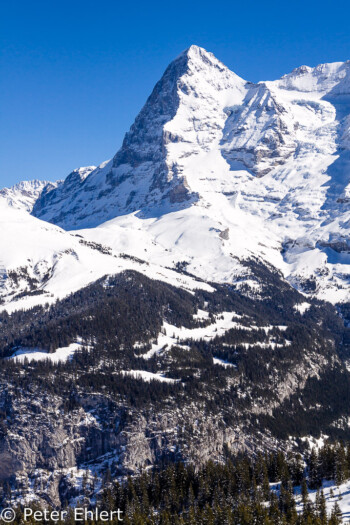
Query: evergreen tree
pixel 321 508
pixel 336 515
pixel 314 471
pixel 341 470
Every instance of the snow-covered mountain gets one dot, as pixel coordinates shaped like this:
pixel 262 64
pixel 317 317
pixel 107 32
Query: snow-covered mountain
pixel 63 189
pixel 23 195
pixel 180 121
pixel 151 281
pixel 215 170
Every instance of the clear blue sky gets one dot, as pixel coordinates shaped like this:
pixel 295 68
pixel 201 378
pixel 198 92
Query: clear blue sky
pixel 73 75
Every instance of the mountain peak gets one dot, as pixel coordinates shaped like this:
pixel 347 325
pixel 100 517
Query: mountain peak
pixel 200 58
pixel 192 50
pixel 195 52
pixel 183 117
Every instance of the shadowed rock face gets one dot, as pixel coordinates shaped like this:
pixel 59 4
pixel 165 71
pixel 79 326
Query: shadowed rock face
pixel 8 464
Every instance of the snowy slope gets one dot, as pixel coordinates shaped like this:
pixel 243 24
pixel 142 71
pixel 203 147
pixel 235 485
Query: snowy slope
pixel 333 494
pixel 40 262
pixel 216 169
pixel 36 354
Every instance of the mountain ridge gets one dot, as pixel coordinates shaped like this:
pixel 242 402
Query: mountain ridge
pixel 161 185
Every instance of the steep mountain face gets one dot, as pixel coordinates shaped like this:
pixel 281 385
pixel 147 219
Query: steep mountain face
pixel 23 195
pixel 62 191
pixel 241 169
pixel 259 133
pixel 180 122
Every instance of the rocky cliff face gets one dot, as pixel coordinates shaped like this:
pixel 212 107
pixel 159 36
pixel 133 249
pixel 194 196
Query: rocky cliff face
pixel 47 449
pixel 64 189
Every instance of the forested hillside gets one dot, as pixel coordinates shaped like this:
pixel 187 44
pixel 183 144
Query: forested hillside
pixel 155 373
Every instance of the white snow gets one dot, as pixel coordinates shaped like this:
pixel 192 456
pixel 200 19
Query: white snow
pixel 36 354
pixel 22 196
pixel 59 262
pixel 341 495
pixel 201 315
pixel 174 336
pixel 270 344
pixel 302 307
pixel 148 376
pixel 316 443
pixel 171 335
pixel 222 362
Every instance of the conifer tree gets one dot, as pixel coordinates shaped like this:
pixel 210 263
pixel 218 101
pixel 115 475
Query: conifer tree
pixel 321 508
pixel 314 471
pixel 336 515
pixel 341 471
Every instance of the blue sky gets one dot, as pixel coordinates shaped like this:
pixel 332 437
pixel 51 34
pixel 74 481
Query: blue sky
pixel 73 75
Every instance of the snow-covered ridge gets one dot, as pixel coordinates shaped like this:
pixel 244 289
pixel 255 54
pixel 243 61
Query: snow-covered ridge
pixel 24 194
pixel 40 262
pixel 333 78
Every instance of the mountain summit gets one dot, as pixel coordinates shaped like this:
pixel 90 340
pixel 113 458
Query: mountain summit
pixel 182 119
